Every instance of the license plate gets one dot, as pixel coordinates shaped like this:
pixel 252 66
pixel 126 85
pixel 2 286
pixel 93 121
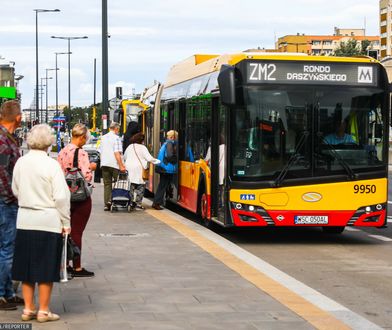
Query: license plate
pixel 311 219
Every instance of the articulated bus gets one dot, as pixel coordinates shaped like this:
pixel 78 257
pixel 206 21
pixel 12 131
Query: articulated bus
pixel 128 109
pixel 276 139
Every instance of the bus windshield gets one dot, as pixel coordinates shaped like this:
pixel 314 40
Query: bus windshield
pixel 307 131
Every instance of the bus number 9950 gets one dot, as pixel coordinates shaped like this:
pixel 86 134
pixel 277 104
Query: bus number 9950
pixel 364 189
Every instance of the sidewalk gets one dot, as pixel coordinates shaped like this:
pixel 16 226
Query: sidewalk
pixel 151 277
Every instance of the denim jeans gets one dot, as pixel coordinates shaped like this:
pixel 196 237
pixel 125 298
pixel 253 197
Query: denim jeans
pixel 8 213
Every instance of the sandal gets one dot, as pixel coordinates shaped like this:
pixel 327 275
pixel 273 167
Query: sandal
pixel 28 315
pixel 45 316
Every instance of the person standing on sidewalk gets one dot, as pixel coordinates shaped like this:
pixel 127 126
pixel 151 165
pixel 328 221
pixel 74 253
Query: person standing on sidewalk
pixel 111 161
pixel 136 159
pixel 80 211
pixel 10 118
pixel 43 216
pixel 167 167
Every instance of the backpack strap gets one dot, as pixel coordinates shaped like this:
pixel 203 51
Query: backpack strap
pixel 76 158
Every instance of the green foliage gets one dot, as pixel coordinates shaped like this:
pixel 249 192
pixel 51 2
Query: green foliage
pixel 83 115
pixel 364 46
pixel 352 48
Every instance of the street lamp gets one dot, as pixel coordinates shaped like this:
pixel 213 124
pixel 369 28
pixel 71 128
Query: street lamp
pixel 41 91
pixel 36 54
pixel 46 109
pixel 105 75
pixel 46 97
pixel 57 89
pixel 69 63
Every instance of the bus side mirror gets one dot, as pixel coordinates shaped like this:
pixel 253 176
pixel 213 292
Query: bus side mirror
pixel 117 116
pixel 226 81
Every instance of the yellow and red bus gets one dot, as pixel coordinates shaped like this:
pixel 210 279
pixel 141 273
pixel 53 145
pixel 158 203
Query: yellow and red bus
pixel 130 110
pixel 277 139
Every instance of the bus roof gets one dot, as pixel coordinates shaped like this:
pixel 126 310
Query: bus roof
pixel 201 64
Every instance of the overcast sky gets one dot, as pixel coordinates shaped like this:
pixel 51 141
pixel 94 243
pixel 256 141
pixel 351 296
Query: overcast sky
pixel 149 36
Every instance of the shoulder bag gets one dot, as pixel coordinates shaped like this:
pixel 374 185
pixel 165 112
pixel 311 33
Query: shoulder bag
pixel 145 171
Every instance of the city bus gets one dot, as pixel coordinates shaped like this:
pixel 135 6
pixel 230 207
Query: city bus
pixel 277 139
pixel 129 110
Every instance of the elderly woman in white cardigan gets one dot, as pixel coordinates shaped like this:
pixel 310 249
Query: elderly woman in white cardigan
pixel 43 216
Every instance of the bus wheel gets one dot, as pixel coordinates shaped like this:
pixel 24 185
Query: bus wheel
pixel 333 230
pixel 203 207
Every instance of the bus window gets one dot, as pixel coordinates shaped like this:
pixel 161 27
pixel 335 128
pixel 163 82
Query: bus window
pixel 197 131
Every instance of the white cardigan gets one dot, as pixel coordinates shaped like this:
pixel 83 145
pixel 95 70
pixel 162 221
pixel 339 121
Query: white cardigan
pixel 132 163
pixel 43 195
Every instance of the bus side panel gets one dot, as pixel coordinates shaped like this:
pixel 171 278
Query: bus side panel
pixel 188 185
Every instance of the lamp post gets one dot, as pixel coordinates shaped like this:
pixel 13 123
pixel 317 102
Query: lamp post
pixel 46 109
pixel 69 63
pixel 41 91
pixel 36 55
pixel 46 103
pixel 57 89
pixel 105 78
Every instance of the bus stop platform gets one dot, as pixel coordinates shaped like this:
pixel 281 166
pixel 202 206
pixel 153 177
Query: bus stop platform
pixel 156 270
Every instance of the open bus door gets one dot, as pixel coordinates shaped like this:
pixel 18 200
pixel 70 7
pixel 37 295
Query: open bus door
pixel 218 161
pixel 170 122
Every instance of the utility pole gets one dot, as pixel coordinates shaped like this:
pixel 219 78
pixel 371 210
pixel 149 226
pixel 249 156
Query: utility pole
pixel 94 114
pixel 105 80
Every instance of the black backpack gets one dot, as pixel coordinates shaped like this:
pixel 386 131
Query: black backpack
pixel 80 189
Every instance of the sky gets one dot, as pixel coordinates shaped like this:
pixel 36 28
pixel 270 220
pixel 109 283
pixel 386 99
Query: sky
pixel 148 37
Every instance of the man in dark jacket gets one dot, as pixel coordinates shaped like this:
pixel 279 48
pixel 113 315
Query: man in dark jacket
pixel 10 118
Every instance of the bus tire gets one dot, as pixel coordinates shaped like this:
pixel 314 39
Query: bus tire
pixel 202 202
pixel 333 230
pixel 203 207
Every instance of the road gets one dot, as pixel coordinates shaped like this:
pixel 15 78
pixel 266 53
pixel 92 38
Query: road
pixel 353 268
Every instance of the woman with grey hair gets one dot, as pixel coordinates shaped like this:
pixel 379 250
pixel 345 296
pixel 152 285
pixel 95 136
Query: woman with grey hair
pixel 43 216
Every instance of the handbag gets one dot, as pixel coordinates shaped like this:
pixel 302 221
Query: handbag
pixel 73 251
pixel 79 188
pixel 145 171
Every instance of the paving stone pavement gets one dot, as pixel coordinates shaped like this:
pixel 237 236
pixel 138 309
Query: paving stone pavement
pixel 156 279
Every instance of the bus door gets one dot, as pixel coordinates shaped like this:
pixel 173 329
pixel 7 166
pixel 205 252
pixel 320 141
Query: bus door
pixel 172 124
pixel 185 166
pixel 218 161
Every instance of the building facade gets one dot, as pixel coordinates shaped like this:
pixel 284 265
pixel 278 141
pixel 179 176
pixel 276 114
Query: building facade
pixel 386 28
pixel 326 44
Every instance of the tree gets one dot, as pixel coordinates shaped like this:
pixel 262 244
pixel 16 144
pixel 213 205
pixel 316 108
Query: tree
pixel 352 48
pixel 364 46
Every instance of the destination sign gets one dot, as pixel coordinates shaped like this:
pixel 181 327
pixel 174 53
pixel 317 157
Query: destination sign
pixel 315 73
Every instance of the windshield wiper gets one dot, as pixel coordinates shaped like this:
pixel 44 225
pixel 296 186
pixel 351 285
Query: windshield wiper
pixel 342 162
pixel 292 160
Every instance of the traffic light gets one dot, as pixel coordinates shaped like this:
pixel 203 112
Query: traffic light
pixel 119 93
